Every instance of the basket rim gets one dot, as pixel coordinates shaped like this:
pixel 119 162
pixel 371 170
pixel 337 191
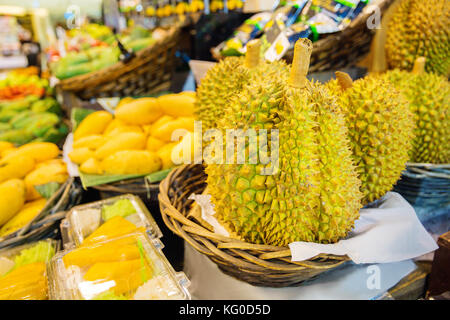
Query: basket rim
pixel 80 82
pixel 223 250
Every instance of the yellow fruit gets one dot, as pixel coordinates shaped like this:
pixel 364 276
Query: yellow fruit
pixel 80 155
pixel 111 229
pixel 59 162
pixel 4 145
pixel 165 154
pixel 154 144
pixel 177 105
pixel 16 168
pixel 164 132
pixel 7 152
pixel 124 101
pixel 115 123
pixel 52 172
pixel 160 122
pixel 92 141
pixel 192 94
pixel 131 162
pixel 122 141
pixel 139 112
pixel 183 152
pixel 91 166
pixel 39 151
pixel 95 123
pixel 146 128
pixel 12 199
pixel 28 212
pixel 121 129
pixel 28 282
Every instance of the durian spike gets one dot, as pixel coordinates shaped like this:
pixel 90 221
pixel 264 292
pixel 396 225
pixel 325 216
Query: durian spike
pixel 252 55
pixel 344 80
pixel 300 63
pixel 419 65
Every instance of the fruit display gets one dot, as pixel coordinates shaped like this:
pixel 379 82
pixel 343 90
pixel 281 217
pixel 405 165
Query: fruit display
pixel 102 52
pixel 23 273
pixel 137 139
pixel 25 172
pixel 380 127
pixel 297 201
pixel 429 99
pixel 108 219
pixel 124 268
pixel 419 29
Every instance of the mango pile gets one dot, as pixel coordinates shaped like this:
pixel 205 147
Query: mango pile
pixel 137 139
pixel 21 170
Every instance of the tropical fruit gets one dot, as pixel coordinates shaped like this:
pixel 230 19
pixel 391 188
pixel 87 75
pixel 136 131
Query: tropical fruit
pixel 122 141
pixel 131 162
pixel 28 212
pixel 15 168
pixel 177 105
pixel 139 111
pixel 304 187
pixel 419 28
pixel 54 171
pixel 429 99
pixel 380 128
pixel 12 199
pixel 94 123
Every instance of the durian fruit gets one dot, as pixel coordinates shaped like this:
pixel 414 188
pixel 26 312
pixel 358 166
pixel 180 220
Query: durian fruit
pixel 429 99
pixel 380 127
pixel 227 77
pixel 419 28
pixel 309 191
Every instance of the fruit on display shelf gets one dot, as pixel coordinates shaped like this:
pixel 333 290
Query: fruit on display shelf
pixel 137 139
pixel 429 98
pixel 380 128
pixel 419 29
pixel 22 171
pixel 226 78
pixel 17 85
pixel 313 193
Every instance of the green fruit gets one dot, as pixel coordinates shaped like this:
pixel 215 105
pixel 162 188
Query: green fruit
pixel 420 28
pixel 380 127
pixel 429 97
pixel 16 136
pixel 313 194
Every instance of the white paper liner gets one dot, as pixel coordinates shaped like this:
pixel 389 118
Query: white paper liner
pixel 72 168
pixel 389 233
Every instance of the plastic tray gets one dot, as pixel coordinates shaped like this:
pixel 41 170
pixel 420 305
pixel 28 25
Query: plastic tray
pixel 131 267
pixel 74 230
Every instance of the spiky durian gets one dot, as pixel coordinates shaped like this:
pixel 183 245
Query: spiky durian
pixel 429 99
pixel 313 193
pixel 419 28
pixel 227 77
pixel 380 127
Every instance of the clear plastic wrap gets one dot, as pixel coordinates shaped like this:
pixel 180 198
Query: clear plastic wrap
pixel 107 219
pixel 131 267
pixel 23 270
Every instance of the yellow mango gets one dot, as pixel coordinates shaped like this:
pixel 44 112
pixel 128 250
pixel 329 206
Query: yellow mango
pixel 57 161
pixel 38 151
pixel 12 199
pixel 113 228
pixel 139 111
pixel 117 250
pixel 121 129
pixel 95 123
pixel 186 145
pixel 92 141
pixel 91 166
pixel 165 154
pixel 164 132
pixel 5 145
pixel 80 155
pixel 28 282
pixel 122 141
pixel 52 172
pixel 113 124
pixel 192 94
pixel 16 168
pixel 6 152
pixel 127 275
pixel 177 105
pixel 154 144
pixel 131 162
pixel 146 128
pixel 161 121
pixel 28 212
pixel 124 101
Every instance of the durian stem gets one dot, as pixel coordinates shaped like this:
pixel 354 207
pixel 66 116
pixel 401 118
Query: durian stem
pixel 344 80
pixel 419 65
pixel 300 63
pixel 252 55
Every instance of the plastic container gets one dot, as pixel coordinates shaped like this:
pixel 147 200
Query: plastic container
pixel 23 270
pixel 131 267
pixel 82 221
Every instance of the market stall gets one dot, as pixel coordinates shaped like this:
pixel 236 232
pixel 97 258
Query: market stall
pixel 225 150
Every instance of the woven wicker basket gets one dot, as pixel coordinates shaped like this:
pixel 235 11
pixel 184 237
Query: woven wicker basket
pixel 46 224
pixel 148 72
pixel 259 265
pixel 343 49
